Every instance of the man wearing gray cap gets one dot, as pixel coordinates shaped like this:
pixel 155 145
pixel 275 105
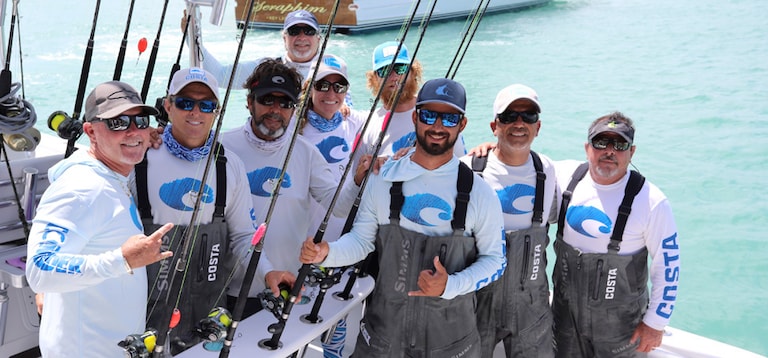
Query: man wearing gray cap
pixel 611 219
pixel 301 37
pixel 515 309
pixel 437 228
pixel 168 183
pixel 86 249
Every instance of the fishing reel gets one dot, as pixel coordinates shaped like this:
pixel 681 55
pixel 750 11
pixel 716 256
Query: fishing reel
pixel 213 329
pixel 322 276
pixel 65 126
pixel 272 303
pixel 139 345
pixel 162 114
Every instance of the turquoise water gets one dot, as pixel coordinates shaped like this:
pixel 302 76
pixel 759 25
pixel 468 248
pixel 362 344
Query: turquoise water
pixel 693 75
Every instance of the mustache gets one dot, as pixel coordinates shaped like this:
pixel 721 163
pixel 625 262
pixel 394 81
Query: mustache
pixel 608 158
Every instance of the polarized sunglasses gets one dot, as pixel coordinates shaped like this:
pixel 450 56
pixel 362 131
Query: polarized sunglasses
pixel 619 145
pixel 295 30
pixel 188 104
pixel 325 86
pixel 123 122
pixel 508 117
pixel 447 119
pixel 400 69
pixel 269 100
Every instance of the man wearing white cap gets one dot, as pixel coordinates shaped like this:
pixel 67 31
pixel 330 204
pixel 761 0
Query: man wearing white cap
pixel 168 184
pixel 86 247
pixel 515 309
pixel 301 37
pixel 437 228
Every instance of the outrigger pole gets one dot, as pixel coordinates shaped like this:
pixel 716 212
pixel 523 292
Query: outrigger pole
pixel 123 45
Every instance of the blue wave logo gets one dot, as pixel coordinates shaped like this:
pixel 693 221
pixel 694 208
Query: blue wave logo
pixel 179 194
pixel 416 204
pixel 510 194
pixel 327 145
pixel 405 141
pixel 577 216
pixel 259 177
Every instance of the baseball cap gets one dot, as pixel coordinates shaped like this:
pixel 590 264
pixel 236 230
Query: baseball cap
pixel 186 76
pixel 331 64
pixel 443 90
pixel 612 125
pixel 300 17
pixel 269 83
pixel 382 54
pixel 512 93
pixel 112 98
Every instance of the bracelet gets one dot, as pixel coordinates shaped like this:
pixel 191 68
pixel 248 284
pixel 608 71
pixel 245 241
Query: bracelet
pixel 127 266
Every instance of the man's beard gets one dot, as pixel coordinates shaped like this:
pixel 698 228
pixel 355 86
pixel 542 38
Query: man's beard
pixel 274 134
pixel 435 149
pixel 409 91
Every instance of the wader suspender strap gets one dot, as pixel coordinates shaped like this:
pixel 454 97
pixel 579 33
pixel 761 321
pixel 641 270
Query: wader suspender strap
pixel 634 184
pixel 463 186
pixel 479 163
pixel 145 209
pixel 576 177
pixel 538 203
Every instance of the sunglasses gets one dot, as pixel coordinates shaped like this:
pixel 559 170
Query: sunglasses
pixel 325 86
pixel 295 30
pixel 188 104
pixel 619 145
pixel 399 68
pixel 269 100
pixel 123 122
pixel 508 117
pixel 447 119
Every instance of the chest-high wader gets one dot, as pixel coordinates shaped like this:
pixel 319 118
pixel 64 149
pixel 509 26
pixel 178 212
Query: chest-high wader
pixel 210 261
pixel 599 298
pixel 518 303
pixel 396 325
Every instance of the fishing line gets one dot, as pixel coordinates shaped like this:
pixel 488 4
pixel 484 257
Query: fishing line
pixel 123 45
pixel 477 16
pixel 153 56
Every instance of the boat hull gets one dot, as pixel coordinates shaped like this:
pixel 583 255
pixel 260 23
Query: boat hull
pixel 365 15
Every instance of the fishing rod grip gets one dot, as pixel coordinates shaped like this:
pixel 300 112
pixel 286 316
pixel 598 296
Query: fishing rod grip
pixel 83 80
pixel 120 60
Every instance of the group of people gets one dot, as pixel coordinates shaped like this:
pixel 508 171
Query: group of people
pixel 461 240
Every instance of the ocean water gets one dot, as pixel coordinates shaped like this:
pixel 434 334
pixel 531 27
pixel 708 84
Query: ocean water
pixel 693 74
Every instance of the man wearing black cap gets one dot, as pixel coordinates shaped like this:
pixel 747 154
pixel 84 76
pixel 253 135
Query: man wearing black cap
pixel 301 37
pixel 263 143
pixel 610 221
pixel 86 250
pixel 438 231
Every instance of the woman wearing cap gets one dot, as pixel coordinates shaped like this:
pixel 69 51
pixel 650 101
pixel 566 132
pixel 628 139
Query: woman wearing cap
pixel 333 134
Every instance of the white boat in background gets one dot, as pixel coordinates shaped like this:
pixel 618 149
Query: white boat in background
pixel 366 15
pixel 23 179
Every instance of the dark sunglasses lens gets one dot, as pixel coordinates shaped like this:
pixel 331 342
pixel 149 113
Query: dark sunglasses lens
pixel 270 100
pixel 296 30
pixel 427 117
pixel 184 104
pixel 207 106
pixel 401 68
pixel 323 86
pixel 450 119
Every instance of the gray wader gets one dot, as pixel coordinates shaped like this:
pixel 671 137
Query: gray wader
pixel 515 309
pixel 599 299
pixel 396 325
pixel 210 263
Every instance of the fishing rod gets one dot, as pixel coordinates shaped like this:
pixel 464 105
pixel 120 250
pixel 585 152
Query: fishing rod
pixel 153 55
pixel 70 128
pixel 360 267
pixel 123 45
pixel 477 16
